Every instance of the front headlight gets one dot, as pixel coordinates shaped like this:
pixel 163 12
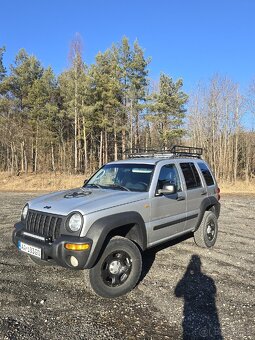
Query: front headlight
pixel 75 222
pixel 24 212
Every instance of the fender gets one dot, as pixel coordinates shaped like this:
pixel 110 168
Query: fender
pixel 100 229
pixel 206 204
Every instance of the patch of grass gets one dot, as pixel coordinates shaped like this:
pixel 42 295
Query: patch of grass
pixel 240 187
pixel 39 182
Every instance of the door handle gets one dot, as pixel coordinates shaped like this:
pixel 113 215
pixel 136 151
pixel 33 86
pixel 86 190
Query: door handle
pixel 180 198
pixel 203 193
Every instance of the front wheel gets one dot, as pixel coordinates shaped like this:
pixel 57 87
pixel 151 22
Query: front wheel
pixel 118 270
pixel 205 236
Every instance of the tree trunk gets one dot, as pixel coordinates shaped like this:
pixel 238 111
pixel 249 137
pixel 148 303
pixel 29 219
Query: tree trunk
pixel 22 165
pixel 247 160
pixel 25 163
pixel 131 126
pixel 85 146
pixel 75 119
pixel 8 159
pixel 52 158
pixel 101 149
pixel 91 155
pixel 12 158
pixel 137 141
pixel 105 146
pixel 115 143
pixel 36 148
pixel 123 144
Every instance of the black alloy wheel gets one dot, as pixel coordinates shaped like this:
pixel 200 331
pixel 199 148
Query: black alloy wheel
pixel 116 268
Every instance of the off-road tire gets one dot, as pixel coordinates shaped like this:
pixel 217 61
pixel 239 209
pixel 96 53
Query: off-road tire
pixel 205 236
pixel 118 269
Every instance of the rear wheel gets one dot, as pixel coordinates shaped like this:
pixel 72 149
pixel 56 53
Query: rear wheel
pixel 118 270
pixel 205 236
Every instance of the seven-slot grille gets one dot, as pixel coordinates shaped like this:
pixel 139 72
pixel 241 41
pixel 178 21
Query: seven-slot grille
pixel 43 224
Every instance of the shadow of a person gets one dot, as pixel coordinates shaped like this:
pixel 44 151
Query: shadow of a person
pixel 200 317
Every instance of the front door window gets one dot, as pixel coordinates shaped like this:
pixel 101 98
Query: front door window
pixel 169 175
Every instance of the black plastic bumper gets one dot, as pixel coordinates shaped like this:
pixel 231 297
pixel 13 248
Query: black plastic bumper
pixel 55 251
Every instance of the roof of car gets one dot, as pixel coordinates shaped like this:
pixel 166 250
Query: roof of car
pixel 153 156
pixel 154 160
pixel 138 161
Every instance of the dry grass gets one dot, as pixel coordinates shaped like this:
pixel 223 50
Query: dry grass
pixel 240 187
pixel 51 182
pixel 39 182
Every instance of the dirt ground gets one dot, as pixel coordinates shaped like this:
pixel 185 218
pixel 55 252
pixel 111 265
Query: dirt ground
pixel 185 293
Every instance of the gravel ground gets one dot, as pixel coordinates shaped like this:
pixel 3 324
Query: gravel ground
pixel 186 292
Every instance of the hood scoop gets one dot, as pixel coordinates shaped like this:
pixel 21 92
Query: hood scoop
pixel 78 194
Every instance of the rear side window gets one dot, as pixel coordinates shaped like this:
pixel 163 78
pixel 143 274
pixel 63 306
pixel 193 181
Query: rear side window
pixel 206 173
pixel 191 175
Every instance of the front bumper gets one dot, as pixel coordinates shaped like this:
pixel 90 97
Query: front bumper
pixel 55 251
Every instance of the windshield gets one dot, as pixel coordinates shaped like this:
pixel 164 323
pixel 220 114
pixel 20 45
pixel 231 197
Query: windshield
pixel 128 177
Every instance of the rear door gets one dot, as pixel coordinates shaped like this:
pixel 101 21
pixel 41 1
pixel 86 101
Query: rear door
pixel 196 192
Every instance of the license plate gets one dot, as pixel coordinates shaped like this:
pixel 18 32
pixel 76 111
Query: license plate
pixel 31 250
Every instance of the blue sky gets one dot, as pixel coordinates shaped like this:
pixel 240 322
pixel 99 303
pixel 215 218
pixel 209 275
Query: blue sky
pixel 191 39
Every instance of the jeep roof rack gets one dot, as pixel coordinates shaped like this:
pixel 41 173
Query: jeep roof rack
pixel 175 151
pixel 187 151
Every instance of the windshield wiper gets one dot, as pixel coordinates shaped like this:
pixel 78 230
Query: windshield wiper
pixel 93 185
pixel 117 186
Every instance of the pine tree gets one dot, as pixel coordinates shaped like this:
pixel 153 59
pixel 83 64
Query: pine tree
pixel 168 111
pixel 138 85
pixel 124 61
pixel 133 77
pixel 71 90
pixel 43 109
pixel 26 70
pixel 106 91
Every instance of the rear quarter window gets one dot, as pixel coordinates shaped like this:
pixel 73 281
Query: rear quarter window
pixel 206 173
pixel 191 175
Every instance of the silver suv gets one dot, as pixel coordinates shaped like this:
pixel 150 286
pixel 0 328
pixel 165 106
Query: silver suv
pixel 125 208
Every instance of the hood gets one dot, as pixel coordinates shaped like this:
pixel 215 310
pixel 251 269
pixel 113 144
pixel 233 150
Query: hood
pixel 86 201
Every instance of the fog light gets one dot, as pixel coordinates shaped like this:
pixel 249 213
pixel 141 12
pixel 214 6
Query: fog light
pixel 75 246
pixel 74 261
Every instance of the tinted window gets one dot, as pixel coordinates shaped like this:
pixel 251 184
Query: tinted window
pixel 206 173
pixel 169 174
pixel 191 175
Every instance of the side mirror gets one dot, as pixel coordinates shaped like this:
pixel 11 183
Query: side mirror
pixel 168 189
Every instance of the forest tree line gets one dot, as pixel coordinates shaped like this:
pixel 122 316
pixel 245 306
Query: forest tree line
pixel 91 114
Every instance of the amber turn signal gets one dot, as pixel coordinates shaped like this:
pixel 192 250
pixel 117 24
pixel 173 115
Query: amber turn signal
pixel 75 246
